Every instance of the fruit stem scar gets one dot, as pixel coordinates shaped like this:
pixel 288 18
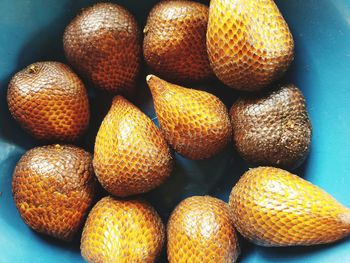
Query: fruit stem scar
pixel 33 69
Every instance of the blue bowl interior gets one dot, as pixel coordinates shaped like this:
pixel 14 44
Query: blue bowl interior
pixel 32 31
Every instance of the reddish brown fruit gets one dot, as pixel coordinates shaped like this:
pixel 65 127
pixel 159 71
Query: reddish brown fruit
pixel 53 188
pixel 103 43
pixel 201 230
pixel 174 44
pixel 49 101
pixel 122 231
pixel 131 155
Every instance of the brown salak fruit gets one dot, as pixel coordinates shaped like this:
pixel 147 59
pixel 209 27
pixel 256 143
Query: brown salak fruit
pixel 249 43
pixel 49 101
pixel 200 229
pixel 272 128
pixel 122 231
pixel 53 188
pixel 195 123
pixel 272 207
pixel 104 44
pixel 174 44
pixel 131 155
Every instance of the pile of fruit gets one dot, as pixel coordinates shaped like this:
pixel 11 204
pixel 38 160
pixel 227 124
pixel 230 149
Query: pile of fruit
pixel 247 45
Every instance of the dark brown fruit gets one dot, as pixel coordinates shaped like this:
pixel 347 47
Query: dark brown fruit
pixel 122 231
pixel 272 128
pixel 200 229
pixel 53 188
pixel 131 155
pixel 49 101
pixel 103 43
pixel 174 44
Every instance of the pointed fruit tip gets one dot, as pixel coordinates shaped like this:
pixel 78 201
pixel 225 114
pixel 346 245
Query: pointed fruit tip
pixel 153 83
pixel 118 98
pixel 149 77
pixel 346 218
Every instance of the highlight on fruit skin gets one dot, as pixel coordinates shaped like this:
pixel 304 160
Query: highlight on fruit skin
pixel 174 45
pixel 272 127
pixel 249 43
pixel 119 230
pixel 195 123
pixel 53 187
pixel 103 43
pixel 272 207
pixel 200 229
pixel 131 155
pixel 49 101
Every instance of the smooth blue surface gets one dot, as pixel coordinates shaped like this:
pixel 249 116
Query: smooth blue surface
pixel 31 30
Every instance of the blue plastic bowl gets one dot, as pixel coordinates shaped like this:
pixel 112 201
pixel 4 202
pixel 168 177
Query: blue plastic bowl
pixel 32 31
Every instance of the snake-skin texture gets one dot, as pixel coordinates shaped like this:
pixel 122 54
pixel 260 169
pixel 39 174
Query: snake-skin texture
pixel 53 188
pixel 249 43
pixel 104 44
pixel 195 123
pixel 272 207
pixel 131 155
pixel 272 128
pixel 49 101
pixel 122 231
pixel 200 230
pixel 174 45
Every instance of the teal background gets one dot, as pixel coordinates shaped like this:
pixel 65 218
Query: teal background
pixel 31 30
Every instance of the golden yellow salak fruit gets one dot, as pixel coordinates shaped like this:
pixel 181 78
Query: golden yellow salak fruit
pixel 131 155
pixel 249 43
pixel 200 229
pixel 195 123
pixel 122 231
pixel 272 207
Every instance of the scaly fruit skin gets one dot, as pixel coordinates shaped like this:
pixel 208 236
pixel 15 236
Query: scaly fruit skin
pixel 272 128
pixel 200 229
pixel 249 43
pixel 195 123
pixel 122 231
pixel 131 155
pixel 53 188
pixel 103 43
pixel 49 101
pixel 174 44
pixel 272 207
